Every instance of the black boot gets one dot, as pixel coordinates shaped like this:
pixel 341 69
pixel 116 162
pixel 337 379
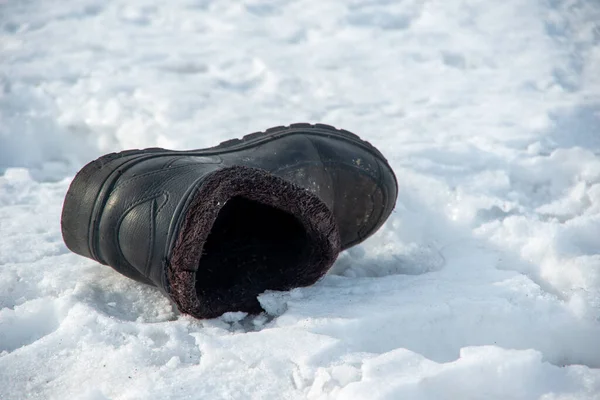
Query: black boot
pixel 214 228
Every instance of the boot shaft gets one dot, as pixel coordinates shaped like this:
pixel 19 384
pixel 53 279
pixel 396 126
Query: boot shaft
pixel 122 209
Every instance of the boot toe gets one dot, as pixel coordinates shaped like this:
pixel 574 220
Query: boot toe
pixel 364 187
pixel 363 203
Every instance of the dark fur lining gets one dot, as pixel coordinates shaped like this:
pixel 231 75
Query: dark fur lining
pixel 301 269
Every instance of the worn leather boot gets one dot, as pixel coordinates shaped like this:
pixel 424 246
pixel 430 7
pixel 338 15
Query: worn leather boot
pixel 214 228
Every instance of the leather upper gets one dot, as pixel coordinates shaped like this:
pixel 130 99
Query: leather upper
pixel 134 225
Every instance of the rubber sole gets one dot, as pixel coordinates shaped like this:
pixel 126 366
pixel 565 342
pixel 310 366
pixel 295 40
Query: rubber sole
pixel 278 131
pixel 91 187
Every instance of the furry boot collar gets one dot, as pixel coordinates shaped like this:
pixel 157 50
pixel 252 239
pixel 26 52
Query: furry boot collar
pixel 247 231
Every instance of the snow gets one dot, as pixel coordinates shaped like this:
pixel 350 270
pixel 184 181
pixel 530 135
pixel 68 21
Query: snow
pixel 484 283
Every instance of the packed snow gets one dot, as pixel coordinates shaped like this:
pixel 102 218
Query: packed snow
pixel 483 284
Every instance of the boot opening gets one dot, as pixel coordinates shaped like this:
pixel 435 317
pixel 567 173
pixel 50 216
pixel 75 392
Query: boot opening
pixel 251 247
pixel 246 231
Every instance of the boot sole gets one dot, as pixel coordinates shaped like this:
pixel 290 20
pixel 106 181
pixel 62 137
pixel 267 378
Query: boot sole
pixel 90 188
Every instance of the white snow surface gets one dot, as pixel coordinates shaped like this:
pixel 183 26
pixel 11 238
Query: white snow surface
pixel 483 284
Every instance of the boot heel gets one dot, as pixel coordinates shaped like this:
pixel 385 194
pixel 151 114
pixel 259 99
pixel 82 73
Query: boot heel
pixel 90 183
